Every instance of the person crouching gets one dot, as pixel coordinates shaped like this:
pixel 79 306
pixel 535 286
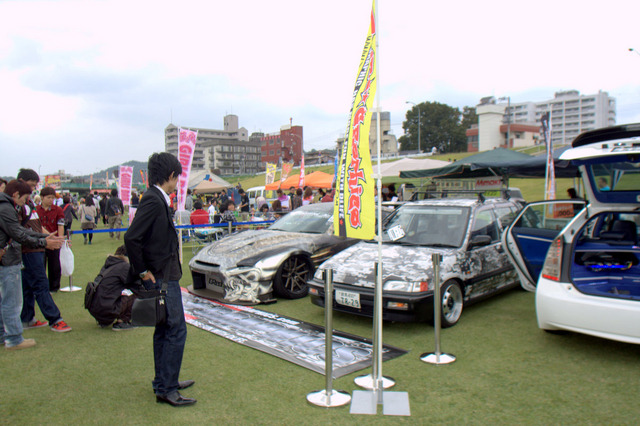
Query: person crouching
pixel 113 298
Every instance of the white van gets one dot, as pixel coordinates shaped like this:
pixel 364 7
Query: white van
pixel 259 191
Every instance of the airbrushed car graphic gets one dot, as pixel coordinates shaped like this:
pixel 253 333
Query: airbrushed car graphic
pixel 254 266
pixel 466 232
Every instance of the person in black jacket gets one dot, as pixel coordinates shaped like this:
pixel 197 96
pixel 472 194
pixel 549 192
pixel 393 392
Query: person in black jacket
pixel 108 303
pixel 152 245
pixel 12 235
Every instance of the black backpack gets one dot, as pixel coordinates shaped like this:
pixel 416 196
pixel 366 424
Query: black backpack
pixel 89 293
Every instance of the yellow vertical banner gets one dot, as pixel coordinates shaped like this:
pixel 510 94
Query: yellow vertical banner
pixel 354 205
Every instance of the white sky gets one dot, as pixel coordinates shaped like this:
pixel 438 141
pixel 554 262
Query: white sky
pixel 85 85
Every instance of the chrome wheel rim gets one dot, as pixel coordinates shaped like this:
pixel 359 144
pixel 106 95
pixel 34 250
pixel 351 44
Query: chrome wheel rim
pixel 452 303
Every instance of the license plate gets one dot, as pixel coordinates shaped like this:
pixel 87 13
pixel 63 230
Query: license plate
pixel 348 298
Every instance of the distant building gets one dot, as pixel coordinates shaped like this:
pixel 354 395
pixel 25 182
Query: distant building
pixel 283 146
pixel 319 157
pixel 389 147
pixel 226 152
pixel 571 114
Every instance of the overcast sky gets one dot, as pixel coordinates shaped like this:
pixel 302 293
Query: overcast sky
pixel 85 85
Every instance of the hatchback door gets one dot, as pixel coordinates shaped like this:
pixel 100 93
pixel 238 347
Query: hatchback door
pixel 529 236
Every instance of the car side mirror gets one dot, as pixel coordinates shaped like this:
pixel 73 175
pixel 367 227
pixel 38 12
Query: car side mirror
pixel 479 241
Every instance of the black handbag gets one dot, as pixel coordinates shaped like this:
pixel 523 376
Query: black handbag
pixel 150 309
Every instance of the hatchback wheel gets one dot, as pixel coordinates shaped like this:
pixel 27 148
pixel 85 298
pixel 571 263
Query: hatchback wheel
pixel 452 303
pixel 291 279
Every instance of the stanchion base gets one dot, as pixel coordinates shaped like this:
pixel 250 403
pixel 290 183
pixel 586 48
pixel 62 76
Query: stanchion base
pixel 70 288
pixel 323 399
pixel 433 358
pixel 366 382
pixel 393 403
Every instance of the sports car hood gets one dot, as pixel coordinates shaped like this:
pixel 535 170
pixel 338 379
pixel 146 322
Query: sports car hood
pixel 249 246
pixel 356 265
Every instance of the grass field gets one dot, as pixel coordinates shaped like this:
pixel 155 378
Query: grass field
pixel 507 370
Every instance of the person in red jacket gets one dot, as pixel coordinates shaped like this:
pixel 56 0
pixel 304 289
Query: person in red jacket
pixel 52 219
pixel 199 216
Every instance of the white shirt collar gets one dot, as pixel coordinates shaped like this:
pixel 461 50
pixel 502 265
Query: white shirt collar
pixel 166 196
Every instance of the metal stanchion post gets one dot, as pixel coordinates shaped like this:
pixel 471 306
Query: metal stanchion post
pixel 437 357
pixel 368 381
pixel 328 397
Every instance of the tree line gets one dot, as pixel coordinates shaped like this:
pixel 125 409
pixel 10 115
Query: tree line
pixel 441 126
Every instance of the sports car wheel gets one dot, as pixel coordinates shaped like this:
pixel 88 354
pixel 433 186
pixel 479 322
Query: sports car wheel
pixel 452 303
pixel 291 279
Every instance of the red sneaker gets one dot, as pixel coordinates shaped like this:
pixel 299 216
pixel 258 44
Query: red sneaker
pixel 36 324
pixel 60 327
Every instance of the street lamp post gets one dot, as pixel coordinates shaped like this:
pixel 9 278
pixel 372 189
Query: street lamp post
pixel 508 99
pixel 417 106
pixel 631 49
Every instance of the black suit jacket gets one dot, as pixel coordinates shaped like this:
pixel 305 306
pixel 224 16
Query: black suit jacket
pixel 151 239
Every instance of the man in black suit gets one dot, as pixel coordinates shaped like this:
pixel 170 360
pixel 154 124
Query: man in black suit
pixel 152 245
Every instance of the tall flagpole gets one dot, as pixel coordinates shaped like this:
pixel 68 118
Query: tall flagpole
pixel 378 287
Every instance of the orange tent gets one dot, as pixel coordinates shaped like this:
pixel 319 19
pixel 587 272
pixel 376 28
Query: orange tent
pixel 314 180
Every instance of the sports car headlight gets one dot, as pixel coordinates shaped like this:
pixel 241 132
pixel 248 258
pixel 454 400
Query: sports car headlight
pixel 409 286
pixel 319 275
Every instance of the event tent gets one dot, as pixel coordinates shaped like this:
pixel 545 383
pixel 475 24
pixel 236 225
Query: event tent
pixel 497 162
pixel 204 183
pixel 314 180
pixel 393 168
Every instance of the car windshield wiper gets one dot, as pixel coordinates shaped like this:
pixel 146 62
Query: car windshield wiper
pixel 441 245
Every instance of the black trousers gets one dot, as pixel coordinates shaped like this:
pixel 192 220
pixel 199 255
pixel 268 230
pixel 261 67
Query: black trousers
pixel 54 271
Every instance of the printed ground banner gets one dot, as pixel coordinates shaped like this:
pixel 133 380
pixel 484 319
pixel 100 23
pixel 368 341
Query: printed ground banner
pixel 186 148
pixel 126 181
pixel 286 170
pixel 354 205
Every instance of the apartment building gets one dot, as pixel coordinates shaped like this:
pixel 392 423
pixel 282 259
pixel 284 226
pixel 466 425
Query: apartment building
pixel 571 114
pixel 230 151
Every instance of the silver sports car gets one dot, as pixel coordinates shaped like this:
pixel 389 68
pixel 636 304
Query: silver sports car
pixel 249 267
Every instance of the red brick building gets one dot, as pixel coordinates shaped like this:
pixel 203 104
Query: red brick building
pixel 285 146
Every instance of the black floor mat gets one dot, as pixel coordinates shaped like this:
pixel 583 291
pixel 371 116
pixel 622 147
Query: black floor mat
pixel 287 338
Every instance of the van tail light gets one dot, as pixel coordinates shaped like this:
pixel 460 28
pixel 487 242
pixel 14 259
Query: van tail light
pixel 553 261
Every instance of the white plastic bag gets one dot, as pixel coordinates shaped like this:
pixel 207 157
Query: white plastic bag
pixel 66 260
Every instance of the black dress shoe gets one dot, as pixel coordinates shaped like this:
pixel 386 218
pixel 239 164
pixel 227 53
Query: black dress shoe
pixel 185 384
pixel 175 399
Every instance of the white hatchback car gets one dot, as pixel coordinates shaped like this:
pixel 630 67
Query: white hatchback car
pixel 582 259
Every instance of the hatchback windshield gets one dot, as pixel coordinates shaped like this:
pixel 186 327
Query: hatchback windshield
pixel 307 221
pixel 427 225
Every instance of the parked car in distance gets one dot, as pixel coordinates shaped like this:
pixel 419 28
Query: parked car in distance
pixel 253 266
pixel 581 260
pixel 466 232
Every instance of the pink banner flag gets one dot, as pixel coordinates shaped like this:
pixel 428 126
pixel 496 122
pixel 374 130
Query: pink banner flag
pixel 126 180
pixel 186 147
pixel 301 181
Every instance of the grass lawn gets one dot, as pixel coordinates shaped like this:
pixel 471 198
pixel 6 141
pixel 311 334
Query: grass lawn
pixel 507 370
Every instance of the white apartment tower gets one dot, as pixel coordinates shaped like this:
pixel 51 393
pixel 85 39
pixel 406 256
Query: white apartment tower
pixel 571 114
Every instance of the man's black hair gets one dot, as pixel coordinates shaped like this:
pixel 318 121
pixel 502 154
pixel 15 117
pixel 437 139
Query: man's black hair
pixel 114 192
pixel 197 205
pixel 28 174
pixel 161 165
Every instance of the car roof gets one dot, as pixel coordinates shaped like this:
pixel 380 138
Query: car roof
pixel 461 202
pixel 607 134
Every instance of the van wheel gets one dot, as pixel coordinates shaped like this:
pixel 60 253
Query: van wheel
pixel 452 303
pixel 291 279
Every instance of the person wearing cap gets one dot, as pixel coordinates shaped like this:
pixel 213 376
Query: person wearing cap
pixel 52 219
